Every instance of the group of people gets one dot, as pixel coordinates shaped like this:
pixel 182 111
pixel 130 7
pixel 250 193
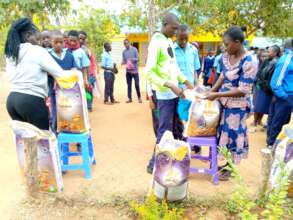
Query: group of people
pixel 130 59
pixel 233 75
pixel 34 60
pixel 273 90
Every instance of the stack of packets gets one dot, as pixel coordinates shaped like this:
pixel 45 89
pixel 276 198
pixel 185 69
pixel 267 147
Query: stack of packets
pixel 204 115
pixel 283 152
pixel 49 167
pixel 171 171
pixel 72 114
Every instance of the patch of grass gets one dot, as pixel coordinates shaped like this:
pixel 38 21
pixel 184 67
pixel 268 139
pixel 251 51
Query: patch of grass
pixel 154 210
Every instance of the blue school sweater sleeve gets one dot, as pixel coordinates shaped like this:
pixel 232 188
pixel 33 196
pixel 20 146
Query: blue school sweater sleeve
pixel 277 79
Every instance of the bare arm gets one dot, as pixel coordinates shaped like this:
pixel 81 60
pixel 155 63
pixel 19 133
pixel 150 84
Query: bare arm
pixel 218 84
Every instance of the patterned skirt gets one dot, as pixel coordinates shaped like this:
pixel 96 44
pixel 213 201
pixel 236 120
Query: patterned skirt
pixel 232 132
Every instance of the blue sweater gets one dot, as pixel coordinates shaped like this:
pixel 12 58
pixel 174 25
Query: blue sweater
pixel 66 62
pixel 282 84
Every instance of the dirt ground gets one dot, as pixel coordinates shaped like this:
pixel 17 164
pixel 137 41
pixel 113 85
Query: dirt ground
pixel 123 142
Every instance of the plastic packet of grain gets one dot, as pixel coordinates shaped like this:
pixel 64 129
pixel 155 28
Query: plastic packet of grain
pixel 283 152
pixel 49 175
pixel 72 113
pixel 204 116
pixel 171 169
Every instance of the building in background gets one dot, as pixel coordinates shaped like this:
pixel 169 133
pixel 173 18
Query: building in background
pixel 206 41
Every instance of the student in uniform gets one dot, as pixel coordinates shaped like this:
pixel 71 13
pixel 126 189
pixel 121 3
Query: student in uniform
pixel 66 61
pixel 282 86
pixel 81 59
pixel 109 70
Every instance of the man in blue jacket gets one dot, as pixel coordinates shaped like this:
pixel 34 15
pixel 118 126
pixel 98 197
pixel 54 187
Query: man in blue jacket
pixel 282 86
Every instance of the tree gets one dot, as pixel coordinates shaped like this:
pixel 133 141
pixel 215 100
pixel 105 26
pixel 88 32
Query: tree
pixel 39 10
pixel 99 25
pixel 270 17
pixel 145 14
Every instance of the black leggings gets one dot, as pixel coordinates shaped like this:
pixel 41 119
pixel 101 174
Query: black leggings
pixel 28 108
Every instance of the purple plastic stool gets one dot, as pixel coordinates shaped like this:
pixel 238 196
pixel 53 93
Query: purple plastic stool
pixel 212 143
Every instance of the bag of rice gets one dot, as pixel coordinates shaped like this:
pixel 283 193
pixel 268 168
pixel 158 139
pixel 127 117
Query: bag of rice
pixel 72 113
pixel 171 170
pixel 283 151
pixel 204 115
pixel 49 176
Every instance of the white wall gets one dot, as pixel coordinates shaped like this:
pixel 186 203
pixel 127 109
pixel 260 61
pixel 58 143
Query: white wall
pixel 117 49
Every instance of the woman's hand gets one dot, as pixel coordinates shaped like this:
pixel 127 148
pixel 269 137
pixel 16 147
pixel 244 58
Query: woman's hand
pixel 211 96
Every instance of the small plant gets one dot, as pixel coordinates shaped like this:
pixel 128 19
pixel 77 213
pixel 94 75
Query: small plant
pixel 153 210
pixel 276 198
pixel 239 202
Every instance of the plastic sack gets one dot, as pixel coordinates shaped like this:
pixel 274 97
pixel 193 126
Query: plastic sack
pixel 204 115
pixel 72 113
pixel 171 170
pixel 283 151
pixel 49 167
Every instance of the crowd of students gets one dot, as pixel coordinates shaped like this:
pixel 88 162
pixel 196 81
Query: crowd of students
pixel 234 75
pixel 33 60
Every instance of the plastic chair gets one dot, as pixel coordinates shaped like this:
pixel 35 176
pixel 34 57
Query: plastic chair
pixel 211 142
pixel 87 152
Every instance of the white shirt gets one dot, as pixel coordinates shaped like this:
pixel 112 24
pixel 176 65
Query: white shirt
pixel 30 74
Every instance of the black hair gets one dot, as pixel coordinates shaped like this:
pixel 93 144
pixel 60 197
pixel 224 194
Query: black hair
pixel 219 50
pixel 106 44
pixel 17 34
pixel 235 33
pixel 126 40
pixel 183 28
pixel 168 18
pixel 277 50
pixel 73 33
pixel 83 33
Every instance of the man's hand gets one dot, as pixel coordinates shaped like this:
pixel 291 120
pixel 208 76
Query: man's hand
pixel 175 89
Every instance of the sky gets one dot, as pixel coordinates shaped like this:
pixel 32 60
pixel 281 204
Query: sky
pixel 113 6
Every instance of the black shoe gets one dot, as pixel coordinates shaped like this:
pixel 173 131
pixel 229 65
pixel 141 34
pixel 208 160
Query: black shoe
pixel 150 169
pixel 129 101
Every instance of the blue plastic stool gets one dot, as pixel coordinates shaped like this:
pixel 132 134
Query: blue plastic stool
pixel 87 152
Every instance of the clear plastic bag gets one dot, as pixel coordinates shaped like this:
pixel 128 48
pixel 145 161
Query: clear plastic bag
pixel 72 113
pixel 283 151
pixel 204 115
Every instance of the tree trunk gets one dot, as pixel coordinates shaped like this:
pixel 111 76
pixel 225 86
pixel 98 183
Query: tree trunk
pixel 151 18
pixel 265 170
pixel 31 165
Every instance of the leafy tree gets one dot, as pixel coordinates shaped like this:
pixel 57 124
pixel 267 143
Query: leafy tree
pixel 270 17
pixel 98 24
pixel 40 9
